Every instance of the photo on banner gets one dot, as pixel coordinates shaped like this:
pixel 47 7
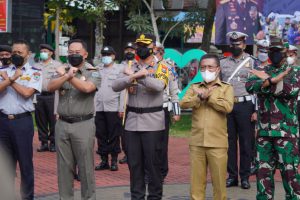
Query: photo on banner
pixel 259 19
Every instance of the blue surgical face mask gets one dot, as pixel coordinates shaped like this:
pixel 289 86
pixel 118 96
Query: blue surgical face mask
pixel 44 55
pixel 106 60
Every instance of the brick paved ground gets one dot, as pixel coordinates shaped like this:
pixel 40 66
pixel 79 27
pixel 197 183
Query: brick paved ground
pixel 116 183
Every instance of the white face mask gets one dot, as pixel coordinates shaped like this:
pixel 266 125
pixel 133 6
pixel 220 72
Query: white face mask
pixel 290 60
pixel 209 76
pixel 107 60
pixel 263 57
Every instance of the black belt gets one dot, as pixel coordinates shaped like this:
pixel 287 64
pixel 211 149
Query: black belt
pixel 144 110
pixel 16 116
pixel 72 120
pixel 47 93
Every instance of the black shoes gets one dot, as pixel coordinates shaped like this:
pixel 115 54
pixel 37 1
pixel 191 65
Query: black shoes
pixel 230 182
pixel 245 184
pixel 44 147
pixel 102 166
pixel 114 166
pixel 52 147
pixel 123 160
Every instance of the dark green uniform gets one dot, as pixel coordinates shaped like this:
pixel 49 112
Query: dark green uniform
pixel 277 132
pixel 75 136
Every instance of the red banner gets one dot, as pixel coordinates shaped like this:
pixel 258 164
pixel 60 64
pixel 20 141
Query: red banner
pixel 3 15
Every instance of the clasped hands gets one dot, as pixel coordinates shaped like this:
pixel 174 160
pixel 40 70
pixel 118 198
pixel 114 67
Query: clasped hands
pixel 204 93
pixel 18 73
pixel 70 74
pixel 136 75
pixel 273 80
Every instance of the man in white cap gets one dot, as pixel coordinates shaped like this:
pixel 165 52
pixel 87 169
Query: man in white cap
pixel 262 53
pixel 292 55
pixel 240 126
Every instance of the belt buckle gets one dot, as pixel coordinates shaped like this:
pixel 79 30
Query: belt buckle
pixel 11 117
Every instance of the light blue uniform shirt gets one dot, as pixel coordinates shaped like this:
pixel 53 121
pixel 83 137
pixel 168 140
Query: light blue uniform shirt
pixel 12 102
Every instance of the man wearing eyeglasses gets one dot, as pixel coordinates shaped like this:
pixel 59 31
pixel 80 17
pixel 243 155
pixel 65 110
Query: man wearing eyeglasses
pixel 211 100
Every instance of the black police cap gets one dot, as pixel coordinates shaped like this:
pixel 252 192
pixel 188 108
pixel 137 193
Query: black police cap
pixel 130 45
pixel 108 50
pixel 46 46
pixel 5 48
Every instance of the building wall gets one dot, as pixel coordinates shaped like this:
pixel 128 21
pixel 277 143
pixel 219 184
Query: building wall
pixel 27 23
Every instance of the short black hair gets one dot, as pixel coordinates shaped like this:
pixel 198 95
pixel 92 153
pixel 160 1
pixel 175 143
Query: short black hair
pixel 83 43
pixel 21 41
pixel 211 56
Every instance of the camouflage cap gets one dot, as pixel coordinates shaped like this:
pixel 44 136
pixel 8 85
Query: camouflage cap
pixel 145 38
pixel 276 42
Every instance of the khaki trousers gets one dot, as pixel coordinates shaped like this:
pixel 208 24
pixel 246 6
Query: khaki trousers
pixel 216 160
pixel 75 146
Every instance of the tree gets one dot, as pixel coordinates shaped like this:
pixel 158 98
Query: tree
pixel 209 21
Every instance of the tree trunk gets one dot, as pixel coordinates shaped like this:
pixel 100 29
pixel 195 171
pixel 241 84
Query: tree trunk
pixel 154 24
pixel 99 42
pixel 209 22
pixel 57 24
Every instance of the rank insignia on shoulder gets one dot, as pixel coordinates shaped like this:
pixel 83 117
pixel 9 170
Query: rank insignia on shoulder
pixel 36 68
pixel 227 83
pixel 91 68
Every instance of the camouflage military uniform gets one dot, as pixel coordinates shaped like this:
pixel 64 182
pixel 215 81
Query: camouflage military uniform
pixel 277 133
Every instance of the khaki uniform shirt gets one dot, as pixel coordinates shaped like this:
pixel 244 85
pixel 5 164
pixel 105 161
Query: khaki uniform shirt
pixel 48 70
pixel 228 66
pixel 209 122
pixel 106 99
pixel 147 92
pixel 72 102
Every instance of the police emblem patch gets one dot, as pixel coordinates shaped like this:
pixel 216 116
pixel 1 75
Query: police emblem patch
pixel 36 76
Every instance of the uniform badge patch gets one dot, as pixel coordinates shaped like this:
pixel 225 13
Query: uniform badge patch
pixel 25 78
pixel 36 76
pixel 95 74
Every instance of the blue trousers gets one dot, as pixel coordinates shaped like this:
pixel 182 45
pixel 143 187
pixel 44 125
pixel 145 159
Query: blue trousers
pixel 16 137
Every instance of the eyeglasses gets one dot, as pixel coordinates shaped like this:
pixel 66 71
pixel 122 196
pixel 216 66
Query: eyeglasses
pixel 208 67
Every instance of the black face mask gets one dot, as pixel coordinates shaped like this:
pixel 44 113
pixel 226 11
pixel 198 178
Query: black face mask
pixel 75 59
pixel 129 56
pixel 17 60
pixel 276 57
pixel 236 51
pixel 5 61
pixel 144 52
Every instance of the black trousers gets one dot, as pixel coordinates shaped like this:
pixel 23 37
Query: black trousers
pixel 144 150
pixel 16 137
pixel 108 131
pixel 45 118
pixel 165 143
pixel 240 129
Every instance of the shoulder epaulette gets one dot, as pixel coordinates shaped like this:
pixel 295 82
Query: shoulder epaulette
pixel 4 67
pixel 254 1
pixel 36 68
pixel 224 1
pixel 91 68
pixel 223 57
pixel 227 83
pixel 254 58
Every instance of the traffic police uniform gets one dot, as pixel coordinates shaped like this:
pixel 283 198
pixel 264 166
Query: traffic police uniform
pixel 108 105
pixel 75 135
pixel 144 126
pixel 44 109
pixel 237 15
pixel 240 127
pixel 16 125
